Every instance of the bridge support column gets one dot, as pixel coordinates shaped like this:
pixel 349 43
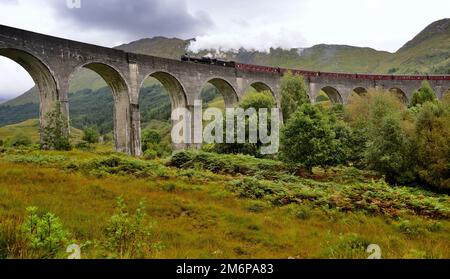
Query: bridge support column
pixel 196 126
pixel 135 131
pixel 51 100
pixel 122 125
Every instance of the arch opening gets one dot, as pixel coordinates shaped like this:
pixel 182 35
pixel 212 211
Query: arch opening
pixel 360 91
pixel 400 94
pixel 160 93
pixel 219 93
pixel 42 98
pixel 333 95
pixel 99 100
pixel 262 87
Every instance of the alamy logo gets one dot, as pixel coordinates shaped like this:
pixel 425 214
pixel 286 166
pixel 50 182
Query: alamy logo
pixel 73 4
pixel 238 126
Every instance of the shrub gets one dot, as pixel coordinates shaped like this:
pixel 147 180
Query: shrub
pixel 91 135
pixel 181 158
pixel 169 187
pixel 432 134
pixel 85 146
pixel 350 246
pixel 389 152
pixel 150 154
pixel 310 139
pixel 37 159
pixel 293 94
pixel 45 233
pixel 119 165
pixel 55 132
pixel 230 164
pixel 128 235
pixel 257 101
pixel 409 228
pixel 150 138
pixel 423 95
pixel 303 213
pixel 256 207
pixel 20 139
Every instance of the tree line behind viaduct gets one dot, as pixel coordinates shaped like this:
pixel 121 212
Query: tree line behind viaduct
pixel 52 62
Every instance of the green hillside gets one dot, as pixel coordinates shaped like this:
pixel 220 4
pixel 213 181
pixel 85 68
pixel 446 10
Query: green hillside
pixel 428 52
pixel 30 128
pixel 336 58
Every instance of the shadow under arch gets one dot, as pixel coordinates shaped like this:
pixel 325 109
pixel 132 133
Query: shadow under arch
pixel 360 91
pixel 173 87
pixel 333 94
pixel 399 93
pixel 44 79
pixel 260 86
pixel 227 91
pixel 121 108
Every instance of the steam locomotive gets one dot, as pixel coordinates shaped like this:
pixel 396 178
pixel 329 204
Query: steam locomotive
pixel 209 61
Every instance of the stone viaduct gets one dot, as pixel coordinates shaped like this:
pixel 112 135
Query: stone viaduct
pixel 52 62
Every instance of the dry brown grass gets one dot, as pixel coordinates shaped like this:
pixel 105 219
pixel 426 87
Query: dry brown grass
pixel 196 218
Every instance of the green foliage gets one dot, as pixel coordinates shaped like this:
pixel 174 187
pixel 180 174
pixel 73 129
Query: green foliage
pixel 20 139
pixel 409 228
pixel 154 146
pixel 322 98
pixel 230 164
pixel 37 159
pixel 312 139
pixel 293 94
pixel 377 198
pixel 150 138
pixel 150 154
pixel 432 136
pixel 423 95
pixel 382 130
pixel 349 246
pixel 258 100
pixel 121 165
pixel 389 151
pixel 44 234
pixel 91 135
pixel 253 100
pixel 55 132
pixel 128 236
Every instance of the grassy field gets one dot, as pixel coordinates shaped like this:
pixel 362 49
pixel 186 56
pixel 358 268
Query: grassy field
pixel 243 209
pixel 30 128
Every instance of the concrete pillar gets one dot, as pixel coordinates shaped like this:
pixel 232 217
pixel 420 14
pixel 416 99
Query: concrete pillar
pixel 122 124
pixel 135 131
pixel 51 98
pixel 135 114
pixel 312 92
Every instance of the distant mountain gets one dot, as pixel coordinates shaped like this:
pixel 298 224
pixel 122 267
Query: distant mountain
pixel 428 52
pixel 171 48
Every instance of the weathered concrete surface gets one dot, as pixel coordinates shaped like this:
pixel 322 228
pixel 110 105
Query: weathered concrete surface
pixel 52 62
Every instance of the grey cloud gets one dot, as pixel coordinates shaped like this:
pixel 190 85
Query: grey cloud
pixel 136 18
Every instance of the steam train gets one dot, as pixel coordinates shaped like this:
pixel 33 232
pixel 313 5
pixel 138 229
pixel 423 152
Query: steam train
pixel 209 61
pixel 308 74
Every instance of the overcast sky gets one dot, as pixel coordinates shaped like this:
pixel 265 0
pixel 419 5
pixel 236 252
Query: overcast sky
pixel 253 24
